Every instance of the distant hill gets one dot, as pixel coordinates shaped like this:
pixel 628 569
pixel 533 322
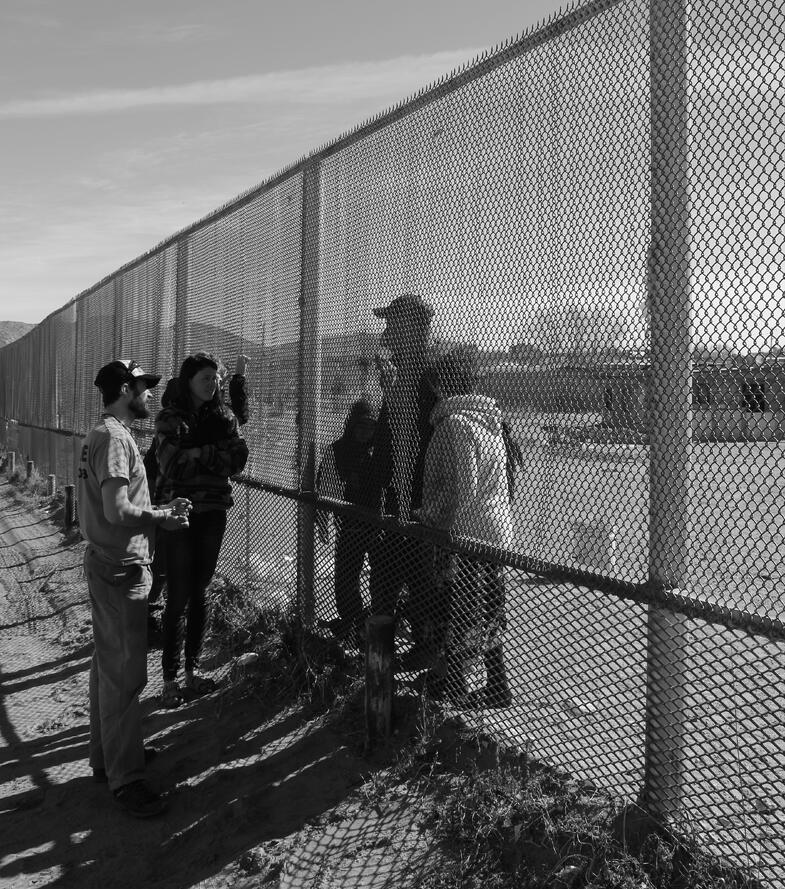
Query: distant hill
pixel 12 330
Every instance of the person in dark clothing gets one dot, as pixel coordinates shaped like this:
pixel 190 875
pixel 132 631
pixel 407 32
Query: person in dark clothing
pixel 198 449
pixel 158 565
pixel 341 475
pixel 238 403
pixel 396 473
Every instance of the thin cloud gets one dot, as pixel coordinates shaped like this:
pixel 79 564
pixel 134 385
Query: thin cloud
pixel 329 84
pixel 31 19
pixel 178 33
pixel 147 34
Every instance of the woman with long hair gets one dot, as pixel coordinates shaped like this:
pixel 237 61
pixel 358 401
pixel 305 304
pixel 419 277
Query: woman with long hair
pixel 198 449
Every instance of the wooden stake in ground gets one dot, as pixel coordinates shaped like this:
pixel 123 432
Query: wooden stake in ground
pixel 379 652
pixel 68 511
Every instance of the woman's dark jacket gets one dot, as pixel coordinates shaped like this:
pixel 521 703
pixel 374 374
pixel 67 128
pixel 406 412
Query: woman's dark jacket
pixel 203 479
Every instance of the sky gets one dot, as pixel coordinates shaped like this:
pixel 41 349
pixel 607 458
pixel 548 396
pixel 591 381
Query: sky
pixel 121 123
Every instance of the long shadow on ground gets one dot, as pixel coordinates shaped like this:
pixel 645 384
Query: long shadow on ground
pixel 234 779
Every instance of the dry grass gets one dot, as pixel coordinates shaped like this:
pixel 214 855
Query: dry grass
pixel 503 820
pixel 270 647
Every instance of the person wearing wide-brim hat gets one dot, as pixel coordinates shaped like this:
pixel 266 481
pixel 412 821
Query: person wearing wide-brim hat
pixel 118 522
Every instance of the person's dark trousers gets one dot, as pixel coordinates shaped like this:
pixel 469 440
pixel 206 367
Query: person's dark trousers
pixel 477 623
pixel 495 617
pixel 191 557
pixel 158 567
pixel 396 563
pixel 352 542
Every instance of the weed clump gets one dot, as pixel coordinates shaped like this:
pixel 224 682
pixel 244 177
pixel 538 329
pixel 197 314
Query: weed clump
pixel 273 649
pixel 505 821
pixel 531 828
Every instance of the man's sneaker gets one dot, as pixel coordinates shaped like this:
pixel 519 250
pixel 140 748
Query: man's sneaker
pixel 172 694
pixel 139 800
pixel 100 776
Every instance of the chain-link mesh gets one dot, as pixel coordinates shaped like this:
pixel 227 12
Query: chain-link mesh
pixel 558 461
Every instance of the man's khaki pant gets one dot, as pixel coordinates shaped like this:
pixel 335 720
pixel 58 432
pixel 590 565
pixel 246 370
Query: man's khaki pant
pixel 118 672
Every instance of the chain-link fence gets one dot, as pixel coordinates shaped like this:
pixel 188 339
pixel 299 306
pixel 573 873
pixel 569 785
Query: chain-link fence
pixel 560 465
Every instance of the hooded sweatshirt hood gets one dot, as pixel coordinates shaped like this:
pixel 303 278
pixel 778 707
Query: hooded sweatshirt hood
pixel 465 487
pixel 480 410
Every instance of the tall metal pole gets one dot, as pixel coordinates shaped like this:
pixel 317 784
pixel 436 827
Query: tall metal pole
pixel 310 387
pixel 670 404
pixel 118 344
pixel 181 304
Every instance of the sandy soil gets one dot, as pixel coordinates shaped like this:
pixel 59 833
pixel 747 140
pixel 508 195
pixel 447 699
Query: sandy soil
pixel 259 795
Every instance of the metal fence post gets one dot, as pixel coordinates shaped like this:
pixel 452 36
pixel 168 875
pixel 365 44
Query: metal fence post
pixel 310 387
pixel 118 345
pixel 68 508
pixel 247 530
pixel 29 469
pixel 670 405
pixel 11 462
pixel 181 304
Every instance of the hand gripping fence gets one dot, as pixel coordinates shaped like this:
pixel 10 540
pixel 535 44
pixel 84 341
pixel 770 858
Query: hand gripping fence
pixel 557 461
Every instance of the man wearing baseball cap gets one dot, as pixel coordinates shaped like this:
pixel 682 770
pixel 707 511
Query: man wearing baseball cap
pixel 118 522
pixel 402 435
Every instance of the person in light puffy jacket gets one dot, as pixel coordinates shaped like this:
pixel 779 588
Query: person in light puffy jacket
pixel 466 492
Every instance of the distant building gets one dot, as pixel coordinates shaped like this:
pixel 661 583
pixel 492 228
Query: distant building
pixel 738 399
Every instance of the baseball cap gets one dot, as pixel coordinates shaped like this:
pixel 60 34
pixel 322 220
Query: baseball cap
pixel 124 371
pixel 408 304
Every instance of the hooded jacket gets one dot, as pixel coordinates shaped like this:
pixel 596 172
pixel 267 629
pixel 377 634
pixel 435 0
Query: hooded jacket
pixel 238 401
pixel 344 469
pixel 213 430
pixel 465 485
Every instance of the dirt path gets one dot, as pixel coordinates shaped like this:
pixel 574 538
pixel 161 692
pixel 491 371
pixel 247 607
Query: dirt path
pixel 258 796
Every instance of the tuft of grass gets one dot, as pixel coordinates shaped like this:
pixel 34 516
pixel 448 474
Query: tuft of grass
pixel 515 827
pixel 36 485
pixel 505 821
pixel 33 488
pixel 290 663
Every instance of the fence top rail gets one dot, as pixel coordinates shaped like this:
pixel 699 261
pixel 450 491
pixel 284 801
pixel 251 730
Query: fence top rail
pixel 576 13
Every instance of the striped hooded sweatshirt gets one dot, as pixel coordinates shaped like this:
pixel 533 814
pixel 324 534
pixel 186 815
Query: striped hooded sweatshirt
pixel 203 479
pixel 465 485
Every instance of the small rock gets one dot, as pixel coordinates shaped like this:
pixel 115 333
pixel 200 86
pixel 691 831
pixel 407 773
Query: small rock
pixel 253 861
pixel 567 877
pixel 578 707
pixel 245 660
